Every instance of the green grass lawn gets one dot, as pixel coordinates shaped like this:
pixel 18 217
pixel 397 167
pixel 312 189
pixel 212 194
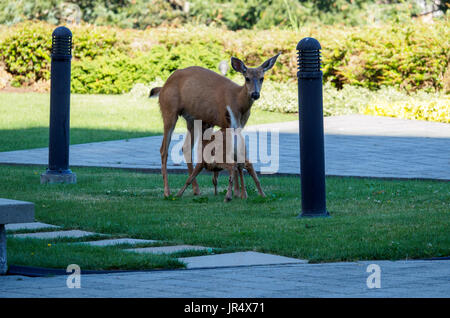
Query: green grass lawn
pixel 41 253
pixel 24 119
pixel 370 218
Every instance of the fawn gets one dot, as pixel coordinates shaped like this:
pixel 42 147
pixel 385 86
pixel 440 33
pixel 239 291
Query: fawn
pixel 226 157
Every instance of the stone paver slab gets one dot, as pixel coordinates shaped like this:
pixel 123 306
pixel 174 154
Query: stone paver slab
pixel 168 249
pixel 14 211
pixel 30 226
pixel 56 234
pixel 112 242
pixel 238 259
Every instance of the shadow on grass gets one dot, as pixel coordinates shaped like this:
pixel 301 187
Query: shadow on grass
pixel 37 137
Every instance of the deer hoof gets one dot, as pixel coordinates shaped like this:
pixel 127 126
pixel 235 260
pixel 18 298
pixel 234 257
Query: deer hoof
pixel 227 199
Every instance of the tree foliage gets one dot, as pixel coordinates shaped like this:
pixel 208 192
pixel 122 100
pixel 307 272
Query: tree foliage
pixel 233 14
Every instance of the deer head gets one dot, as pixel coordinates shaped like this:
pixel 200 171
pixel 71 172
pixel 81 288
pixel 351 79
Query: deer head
pixel 254 77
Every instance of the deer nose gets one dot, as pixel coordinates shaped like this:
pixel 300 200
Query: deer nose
pixel 255 95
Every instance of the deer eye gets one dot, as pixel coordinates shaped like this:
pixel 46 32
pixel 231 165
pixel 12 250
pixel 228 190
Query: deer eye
pixel 261 79
pixel 247 79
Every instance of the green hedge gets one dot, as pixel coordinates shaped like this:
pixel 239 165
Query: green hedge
pixel 25 52
pixel 26 48
pixel 115 74
pixel 110 60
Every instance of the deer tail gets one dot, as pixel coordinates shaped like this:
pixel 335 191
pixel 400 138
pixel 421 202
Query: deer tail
pixel 154 92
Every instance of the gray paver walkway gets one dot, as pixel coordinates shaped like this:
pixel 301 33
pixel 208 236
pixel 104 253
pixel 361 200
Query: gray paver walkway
pixel 355 145
pixel 398 279
pixel 237 259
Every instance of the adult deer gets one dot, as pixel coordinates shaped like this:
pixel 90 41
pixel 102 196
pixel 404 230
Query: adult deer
pixel 196 93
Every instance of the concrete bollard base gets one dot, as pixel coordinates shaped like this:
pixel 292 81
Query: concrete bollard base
pixel 52 177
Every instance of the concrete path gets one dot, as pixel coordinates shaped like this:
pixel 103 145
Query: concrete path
pixel 30 226
pixel 169 249
pixel 355 145
pixel 238 259
pixel 397 279
pixel 56 234
pixel 119 241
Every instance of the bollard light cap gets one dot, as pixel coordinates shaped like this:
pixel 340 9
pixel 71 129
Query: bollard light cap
pixel 61 44
pixel 308 44
pixel 309 62
pixel 62 31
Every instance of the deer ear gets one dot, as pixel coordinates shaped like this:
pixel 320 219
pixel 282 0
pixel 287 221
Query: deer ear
pixel 267 65
pixel 238 65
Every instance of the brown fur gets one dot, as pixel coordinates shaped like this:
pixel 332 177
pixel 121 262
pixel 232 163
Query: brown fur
pixel 234 169
pixel 198 93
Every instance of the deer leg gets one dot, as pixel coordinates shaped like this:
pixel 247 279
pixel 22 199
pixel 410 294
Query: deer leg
pixel 237 191
pixel 187 152
pixel 229 195
pixel 251 171
pixel 191 177
pixel 169 126
pixel 214 181
pixel 243 189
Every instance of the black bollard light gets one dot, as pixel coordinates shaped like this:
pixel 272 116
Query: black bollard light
pixel 312 156
pixel 58 150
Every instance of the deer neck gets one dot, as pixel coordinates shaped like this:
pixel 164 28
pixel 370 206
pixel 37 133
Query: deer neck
pixel 245 102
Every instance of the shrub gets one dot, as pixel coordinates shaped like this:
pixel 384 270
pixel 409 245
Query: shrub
pixel 115 74
pixel 278 97
pixel 91 41
pixel 409 57
pixel 431 110
pixel 25 49
pixel 282 97
pixel 25 53
pixel 446 80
